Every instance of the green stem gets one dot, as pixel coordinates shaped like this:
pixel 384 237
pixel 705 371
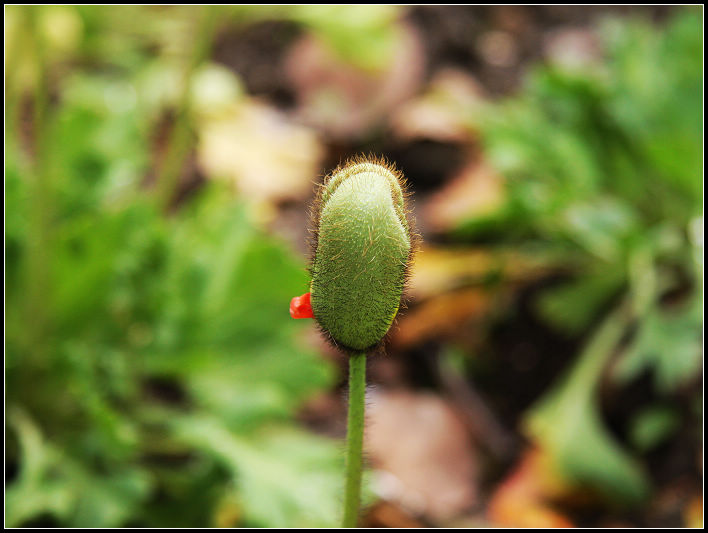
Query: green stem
pixel 355 437
pixel 180 139
pixel 38 258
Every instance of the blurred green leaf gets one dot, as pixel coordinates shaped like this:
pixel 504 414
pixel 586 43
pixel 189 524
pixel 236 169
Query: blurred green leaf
pixel 35 492
pixel 657 98
pixel 53 483
pixel 652 426
pixel 287 477
pixel 626 133
pixel 566 422
pixel 607 163
pixel 149 315
pixel 572 306
pixel 669 342
pixel 204 307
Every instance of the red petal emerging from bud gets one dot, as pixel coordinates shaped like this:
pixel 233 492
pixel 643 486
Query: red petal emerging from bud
pixel 300 307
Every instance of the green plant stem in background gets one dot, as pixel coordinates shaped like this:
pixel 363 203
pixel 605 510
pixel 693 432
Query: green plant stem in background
pixel 355 437
pixel 181 136
pixel 38 260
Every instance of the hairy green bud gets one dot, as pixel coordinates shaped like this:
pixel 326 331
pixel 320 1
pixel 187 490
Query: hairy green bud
pixel 361 256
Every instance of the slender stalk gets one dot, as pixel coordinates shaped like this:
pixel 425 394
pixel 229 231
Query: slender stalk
pixel 38 259
pixel 355 437
pixel 180 138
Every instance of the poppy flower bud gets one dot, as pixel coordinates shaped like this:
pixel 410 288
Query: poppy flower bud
pixel 361 253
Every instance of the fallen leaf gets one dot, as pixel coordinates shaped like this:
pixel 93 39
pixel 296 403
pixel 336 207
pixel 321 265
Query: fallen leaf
pixel 385 514
pixel 442 113
pixel 476 191
pixel 438 270
pixel 422 454
pixel 694 512
pixel 266 156
pixel 451 288
pixel 573 48
pixel 440 316
pixel 522 500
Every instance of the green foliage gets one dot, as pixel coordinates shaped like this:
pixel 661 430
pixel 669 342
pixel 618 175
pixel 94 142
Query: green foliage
pixel 361 255
pixel 152 369
pixel 52 483
pixel 604 168
pixel 669 343
pixel 575 304
pixel 652 426
pixel 195 305
pixel 197 309
pixel 280 472
pixel 567 423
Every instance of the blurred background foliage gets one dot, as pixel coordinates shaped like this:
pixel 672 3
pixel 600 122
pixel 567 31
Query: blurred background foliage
pixel 158 167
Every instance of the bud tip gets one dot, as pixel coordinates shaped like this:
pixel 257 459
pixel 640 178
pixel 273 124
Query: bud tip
pixel 300 307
